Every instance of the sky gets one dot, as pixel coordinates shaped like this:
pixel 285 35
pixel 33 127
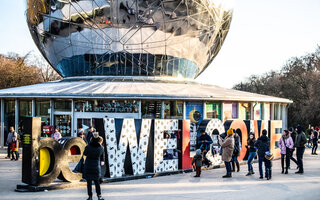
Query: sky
pixel 263 35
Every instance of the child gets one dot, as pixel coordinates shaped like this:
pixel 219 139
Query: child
pixel 268 164
pixel 197 162
pixel 15 148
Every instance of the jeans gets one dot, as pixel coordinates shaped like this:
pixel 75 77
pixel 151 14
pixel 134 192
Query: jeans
pixel 251 156
pixel 89 187
pixel 235 159
pixel 292 158
pixel 314 147
pixel 260 159
pixel 228 167
pixel 300 152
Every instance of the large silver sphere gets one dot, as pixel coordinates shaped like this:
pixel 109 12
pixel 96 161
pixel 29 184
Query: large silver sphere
pixel 129 37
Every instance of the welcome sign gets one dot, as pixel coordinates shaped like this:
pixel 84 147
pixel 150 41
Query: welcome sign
pixel 133 147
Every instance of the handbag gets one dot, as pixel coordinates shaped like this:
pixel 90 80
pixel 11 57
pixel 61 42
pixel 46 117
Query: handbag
pixel 79 167
pixel 287 148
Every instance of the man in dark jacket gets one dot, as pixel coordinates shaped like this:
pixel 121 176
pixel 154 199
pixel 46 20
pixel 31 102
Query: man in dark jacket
pixel 263 145
pixel 301 140
pixel 293 134
pixel 236 151
pixel 204 142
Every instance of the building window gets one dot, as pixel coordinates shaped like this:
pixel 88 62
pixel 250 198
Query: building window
pixel 245 111
pixel 108 106
pixel 173 110
pixel 267 111
pixel 63 122
pixel 25 110
pixel 62 106
pixel 230 111
pixel 213 110
pixel 9 117
pixel 43 110
pixel 151 109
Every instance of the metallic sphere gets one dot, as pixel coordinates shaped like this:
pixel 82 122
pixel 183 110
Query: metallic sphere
pixel 176 38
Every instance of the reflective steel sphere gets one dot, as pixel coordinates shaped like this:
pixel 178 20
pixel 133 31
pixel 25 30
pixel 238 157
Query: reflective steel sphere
pixel 129 37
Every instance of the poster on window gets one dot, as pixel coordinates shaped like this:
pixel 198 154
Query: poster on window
pixel 194 112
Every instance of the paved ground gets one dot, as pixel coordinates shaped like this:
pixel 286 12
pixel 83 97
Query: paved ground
pixel 184 186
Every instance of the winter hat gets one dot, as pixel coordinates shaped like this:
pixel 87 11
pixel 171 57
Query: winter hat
pixel 317 128
pixel 198 152
pixel 299 129
pixel 264 132
pixel 230 131
pixel 268 155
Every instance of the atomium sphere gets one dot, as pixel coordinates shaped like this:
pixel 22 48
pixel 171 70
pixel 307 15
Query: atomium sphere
pixel 176 38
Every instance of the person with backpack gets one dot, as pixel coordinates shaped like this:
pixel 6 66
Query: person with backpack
pixel 315 137
pixel 301 141
pixel 236 152
pixel 263 145
pixel 285 145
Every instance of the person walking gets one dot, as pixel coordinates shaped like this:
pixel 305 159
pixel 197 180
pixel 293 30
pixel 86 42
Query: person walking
pixel 197 162
pixel 293 134
pixel 92 166
pixel 315 137
pixel 204 141
pixel 236 152
pixel 285 145
pixel 227 145
pixel 57 135
pixel 252 153
pixel 9 141
pixel 301 141
pixel 263 145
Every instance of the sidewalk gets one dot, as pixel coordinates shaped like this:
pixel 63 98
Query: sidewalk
pixel 185 186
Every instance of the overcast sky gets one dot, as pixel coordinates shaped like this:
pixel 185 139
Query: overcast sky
pixel 264 34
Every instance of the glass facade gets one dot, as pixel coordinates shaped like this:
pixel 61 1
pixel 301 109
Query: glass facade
pixel 43 110
pixel 151 109
pixel 213 110
pixel 63 122
pixel 173 110
pixel 25 110
pixel 9 116
pixel 108 106
pixel 62 105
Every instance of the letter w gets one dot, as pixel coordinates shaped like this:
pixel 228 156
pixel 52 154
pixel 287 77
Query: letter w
pixel 117 153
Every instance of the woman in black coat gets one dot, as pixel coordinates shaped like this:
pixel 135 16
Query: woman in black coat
pixel 92 166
